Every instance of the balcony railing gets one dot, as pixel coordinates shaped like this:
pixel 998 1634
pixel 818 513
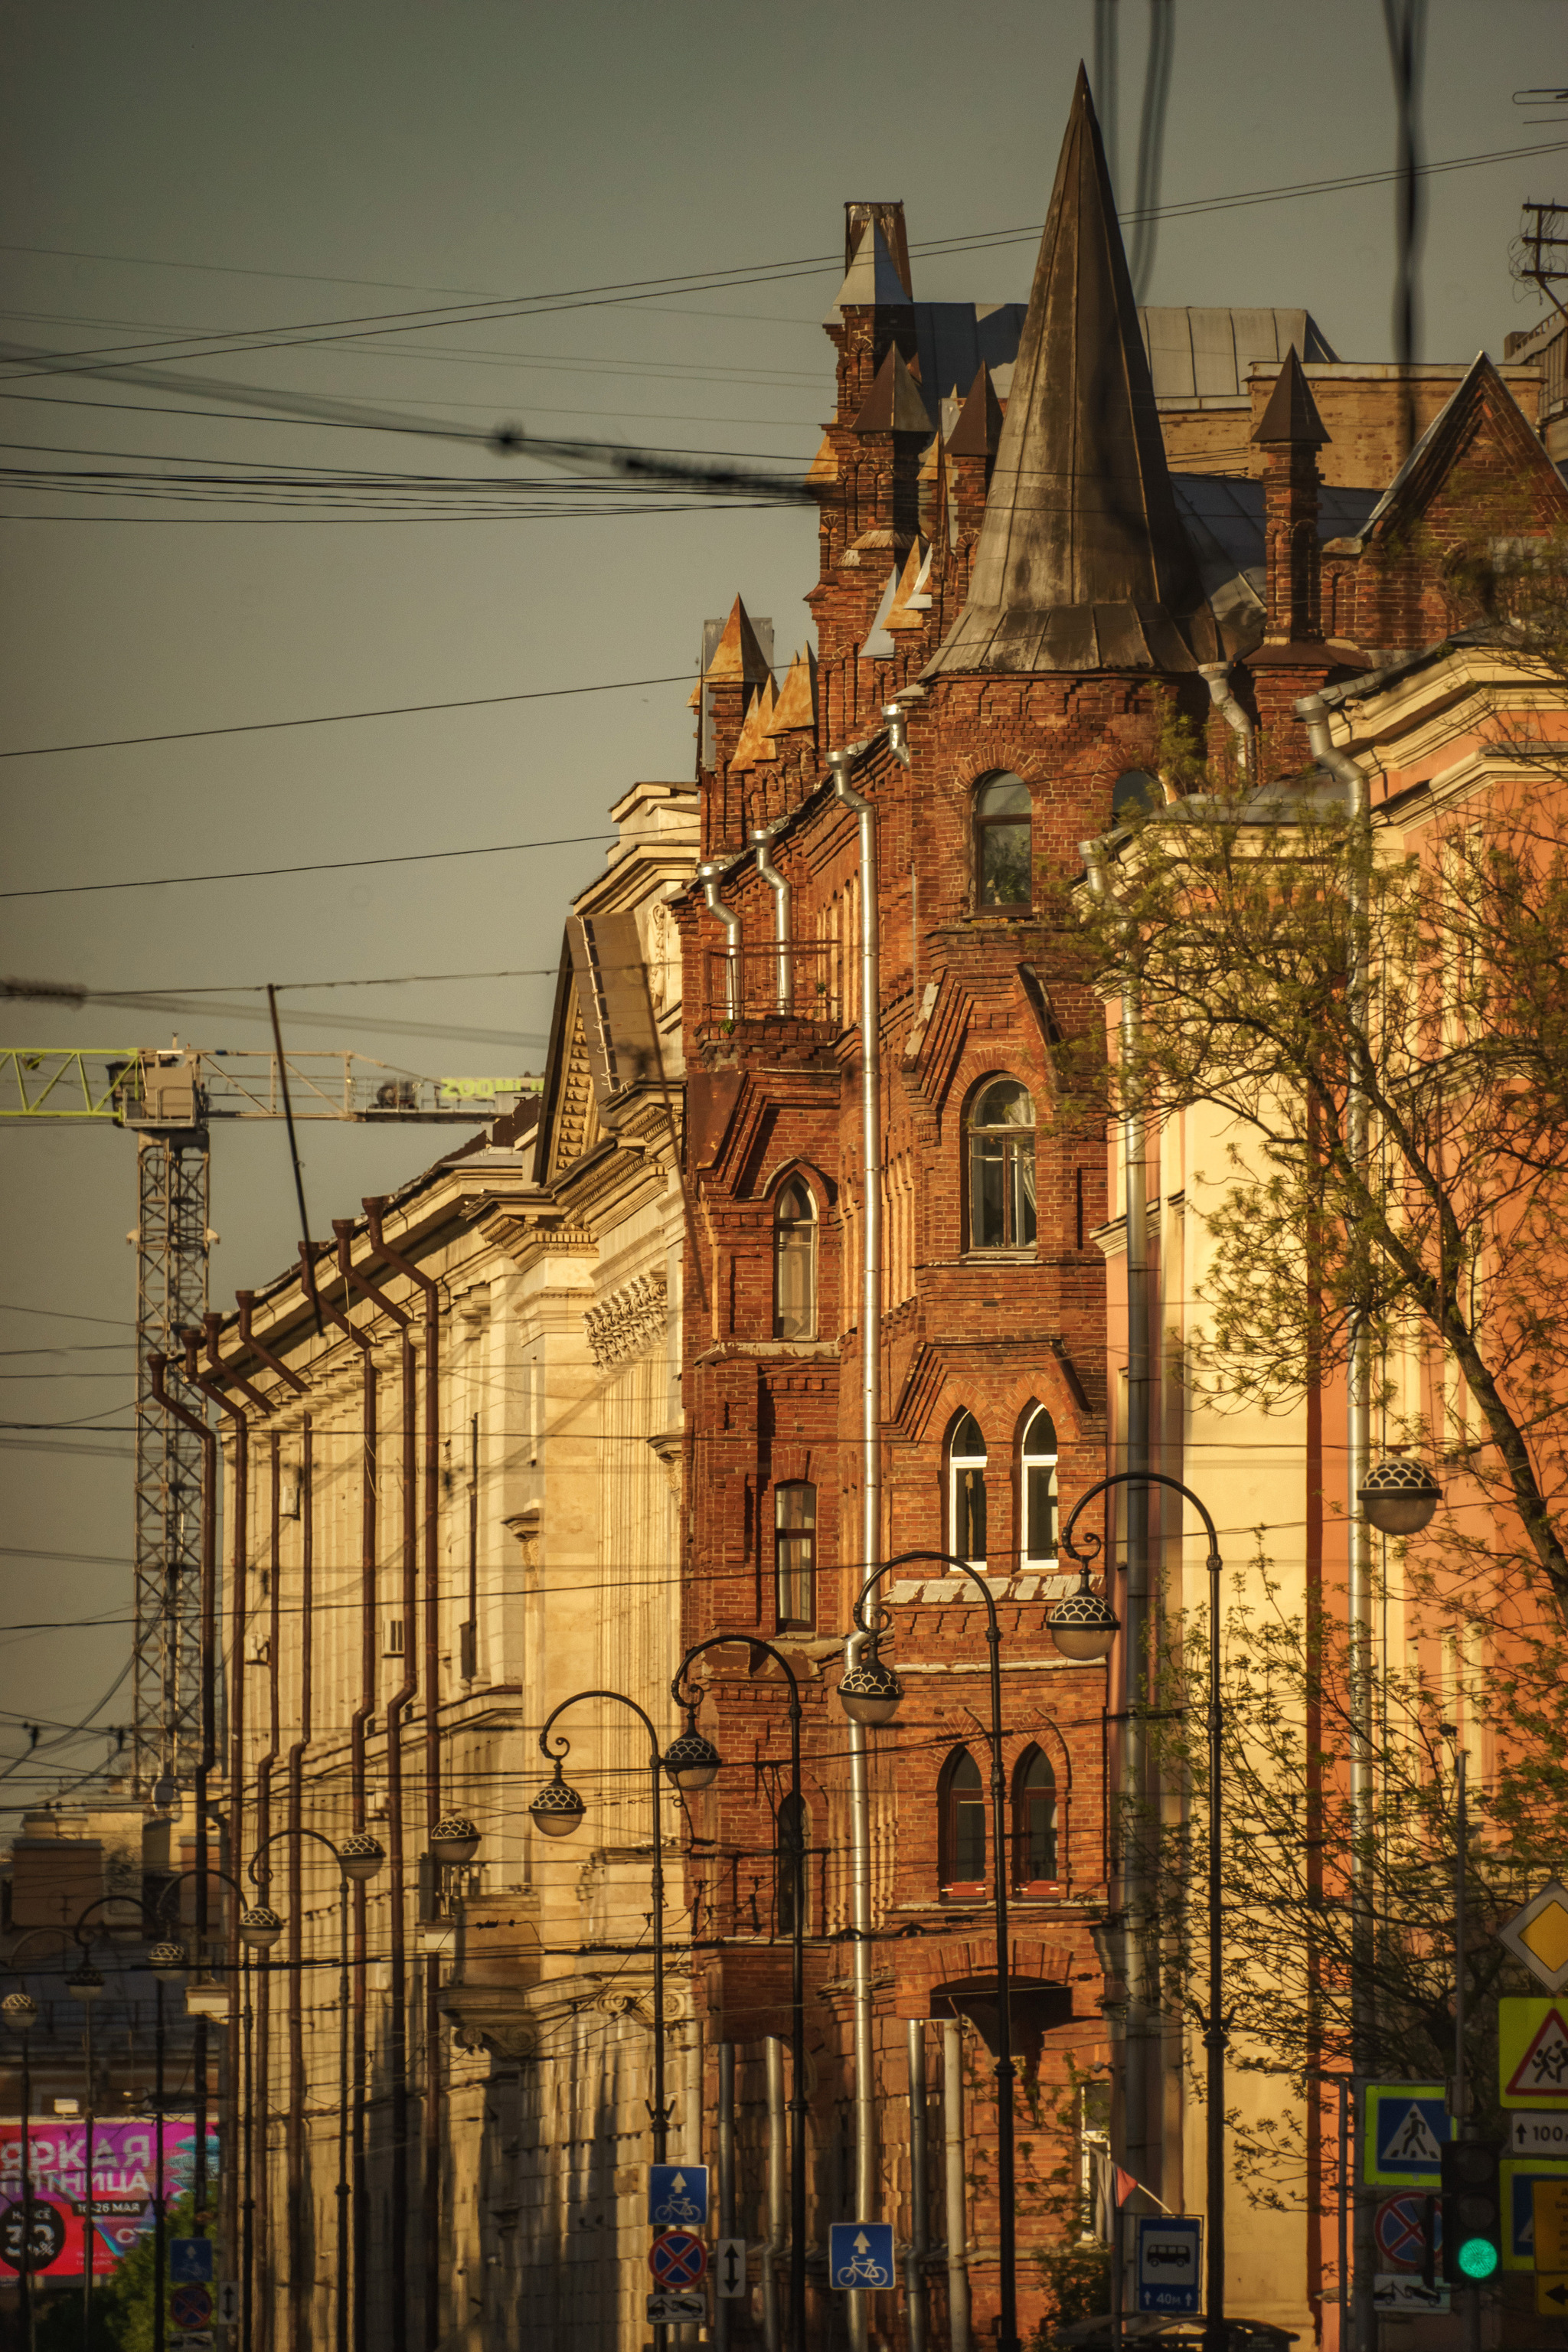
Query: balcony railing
pixel 796 983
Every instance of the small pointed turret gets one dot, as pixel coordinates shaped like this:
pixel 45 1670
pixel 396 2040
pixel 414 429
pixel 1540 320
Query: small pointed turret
pixel 978 432
pixel 1291 416
pixel 736 656
pixel 756 742
pixel 1081 563
pixel 797 702
pixel 895 403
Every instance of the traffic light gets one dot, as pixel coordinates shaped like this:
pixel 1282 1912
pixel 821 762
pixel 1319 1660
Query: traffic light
pixel 1472 2212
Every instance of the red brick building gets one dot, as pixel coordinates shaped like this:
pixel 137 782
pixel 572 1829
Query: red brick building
pixel 896 1319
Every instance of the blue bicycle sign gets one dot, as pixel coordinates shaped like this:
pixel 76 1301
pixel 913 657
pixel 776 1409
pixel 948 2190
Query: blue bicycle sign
pixel 860 2255
pixel 677 2195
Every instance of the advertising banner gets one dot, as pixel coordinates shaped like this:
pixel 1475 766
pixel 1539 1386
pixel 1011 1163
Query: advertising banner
pixel 124 2182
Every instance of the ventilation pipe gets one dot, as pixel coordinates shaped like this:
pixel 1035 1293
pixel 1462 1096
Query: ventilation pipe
pixel 709 877
pixel 778 2195
pixel 865 2198
pixel 1216 677
pixel 1129 1939
pixel 430 2181
pixel 953 2185
pixel 761 842
pixel 1312 711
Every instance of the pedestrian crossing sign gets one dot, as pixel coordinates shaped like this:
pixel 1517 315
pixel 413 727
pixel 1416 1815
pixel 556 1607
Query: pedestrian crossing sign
pixel 1408 2125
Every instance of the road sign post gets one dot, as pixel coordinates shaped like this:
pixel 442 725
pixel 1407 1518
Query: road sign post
pixel 1407 2128
pixel 1538 1936
pixel 670 2307
pixel 860 2255
pixel 1170 2263
pixel 677 2260
pixel 191 2259
pixel 1532 2053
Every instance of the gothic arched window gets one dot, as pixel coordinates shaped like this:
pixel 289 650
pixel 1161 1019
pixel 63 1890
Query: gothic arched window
pixel 961 1829
pixel 1002 879
pixel 966 1492
pixel 794 1262
pixel 1034 1820
pixel 1001 1167
pixel 1038 1464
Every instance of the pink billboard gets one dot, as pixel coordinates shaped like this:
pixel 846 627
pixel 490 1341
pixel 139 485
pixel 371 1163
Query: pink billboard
pixel 124 2185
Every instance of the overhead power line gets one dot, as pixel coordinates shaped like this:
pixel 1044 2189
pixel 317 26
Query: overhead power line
pixel 325 865
pixel 339 719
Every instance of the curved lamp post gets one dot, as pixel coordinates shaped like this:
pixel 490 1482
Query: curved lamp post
pixel 358 1858
pixel 558 1811
pixel 1083 1628
pixel 691 1764
pixel 870 1694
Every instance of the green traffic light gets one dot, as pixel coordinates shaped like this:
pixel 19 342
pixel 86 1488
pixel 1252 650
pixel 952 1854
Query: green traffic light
pixel 1478 2258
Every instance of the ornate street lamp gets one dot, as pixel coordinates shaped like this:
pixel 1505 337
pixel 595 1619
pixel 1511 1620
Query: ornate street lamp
pixel 1400 1496
pixel 692 1762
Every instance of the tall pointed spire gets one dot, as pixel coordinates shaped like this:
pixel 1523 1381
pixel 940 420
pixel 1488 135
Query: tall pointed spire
pixel 1081 563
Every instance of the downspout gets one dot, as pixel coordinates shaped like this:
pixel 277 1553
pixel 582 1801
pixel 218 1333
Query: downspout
pixel 1216 677
pixel 920 2185
pixel 1140 2150
pixel 430 2180
pixel 953 2185
pixel 206 1756
pixel 866 2199
pixel 265 1766
pixel 784 978
pixel 300 2297
pixel 710 876
pixel 1312 711
pixel 238 1609
pixel 397 2024
pixel 778 2194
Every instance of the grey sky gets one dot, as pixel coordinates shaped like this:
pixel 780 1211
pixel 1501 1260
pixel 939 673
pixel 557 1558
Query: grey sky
pixel 503 150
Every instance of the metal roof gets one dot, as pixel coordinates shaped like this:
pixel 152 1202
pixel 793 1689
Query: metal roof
pixel 1205 354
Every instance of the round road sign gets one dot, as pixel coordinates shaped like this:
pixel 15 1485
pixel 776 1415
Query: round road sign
pixel 191 2305
pixel 678 2259
pixel 1401 2229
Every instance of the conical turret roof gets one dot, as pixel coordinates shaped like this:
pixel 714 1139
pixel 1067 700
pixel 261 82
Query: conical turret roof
pixel 1292 414
pixel 1081 563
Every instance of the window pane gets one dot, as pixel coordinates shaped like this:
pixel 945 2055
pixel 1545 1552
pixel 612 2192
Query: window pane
pixel 986 1178
pixel 968 1440
pixel 969 1492
pixel 1022 1190
pixel 1040 1491
pixel 1004 880
pixel 1006 1104
pixel 968 1836
pixel 795 1505
pixel 795 1281
pixel 1002 796
pixel 1039 1829
pixel 1040 1437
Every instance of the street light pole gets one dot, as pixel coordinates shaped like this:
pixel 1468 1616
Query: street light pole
pixel 1083 1627
pixel 358 1858
pixel 85 1985
pixel 870 1694
pixel 691 1763
pixel 21 2014
pixel 558 1811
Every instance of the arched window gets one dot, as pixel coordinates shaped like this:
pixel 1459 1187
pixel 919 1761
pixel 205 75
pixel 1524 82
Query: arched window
pixel 966 1492
pixel 1134 794
pixel 1002 844
pixel 794 1830
pixel 795 1263
pixel 1034 1820
pixel 1040 1467
pixel 1001 1167
pixel 960 1831
pixel 794 1555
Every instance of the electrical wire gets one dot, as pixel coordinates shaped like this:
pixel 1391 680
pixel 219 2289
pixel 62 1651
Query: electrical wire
pixel 328 866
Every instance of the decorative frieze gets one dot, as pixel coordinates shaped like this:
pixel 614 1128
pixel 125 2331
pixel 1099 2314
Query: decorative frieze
pixel 630 1320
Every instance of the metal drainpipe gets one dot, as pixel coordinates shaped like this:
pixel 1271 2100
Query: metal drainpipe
pixel 264 1767
pixel 710 876
pixel 726 2155
pixel 778 2194
pixel 430 2181
pixel 919 2187
pixel 239 2182
pixel 1141 2149
pixel 266 1764
pixel 866 2199
pixel 957 2213
pixel 299 2313
pixel 761 842
pixel 1312 711
pixel 1216 677
pixel 206 1756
